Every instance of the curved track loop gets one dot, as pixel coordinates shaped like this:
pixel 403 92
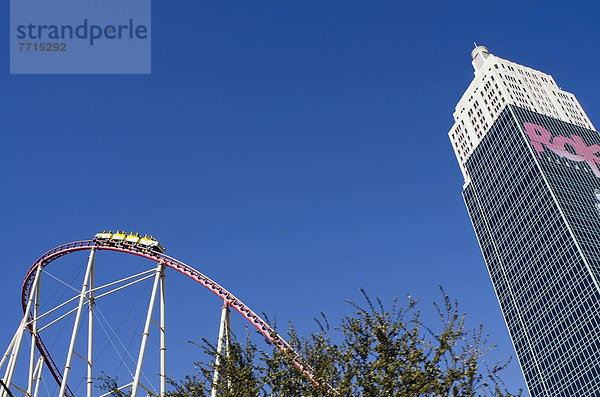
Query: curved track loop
pixel 173 263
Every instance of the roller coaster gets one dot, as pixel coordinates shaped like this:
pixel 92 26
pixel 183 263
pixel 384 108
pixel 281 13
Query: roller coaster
pixel 24 379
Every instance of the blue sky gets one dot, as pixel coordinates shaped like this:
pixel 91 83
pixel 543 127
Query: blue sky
pixel 292 151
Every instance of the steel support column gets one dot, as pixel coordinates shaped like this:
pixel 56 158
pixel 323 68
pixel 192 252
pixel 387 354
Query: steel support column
pixel 12 362
pixel 90 352
pixel 84 290
pixel 38 376
pixel 224 330
pixel 163 342
pixel 138 369
pixel 32 361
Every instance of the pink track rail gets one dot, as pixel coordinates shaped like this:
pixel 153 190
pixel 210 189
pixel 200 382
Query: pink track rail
pixel 175 264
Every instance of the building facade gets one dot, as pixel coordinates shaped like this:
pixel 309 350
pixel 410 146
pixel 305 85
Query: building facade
pixel 532 190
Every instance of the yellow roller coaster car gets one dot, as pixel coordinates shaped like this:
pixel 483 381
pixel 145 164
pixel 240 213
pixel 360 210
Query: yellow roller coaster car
pixel 133 240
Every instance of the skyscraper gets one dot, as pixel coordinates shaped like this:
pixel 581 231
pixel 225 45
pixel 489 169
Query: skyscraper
pixel 529 157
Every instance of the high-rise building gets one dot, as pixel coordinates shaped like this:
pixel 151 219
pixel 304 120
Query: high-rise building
pixel 530 160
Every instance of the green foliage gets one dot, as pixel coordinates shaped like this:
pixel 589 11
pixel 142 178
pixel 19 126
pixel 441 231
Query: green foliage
pixel 379 353
pixel 110 385
pixel 392 353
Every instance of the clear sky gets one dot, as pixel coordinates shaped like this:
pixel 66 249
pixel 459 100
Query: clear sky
pixel 292 151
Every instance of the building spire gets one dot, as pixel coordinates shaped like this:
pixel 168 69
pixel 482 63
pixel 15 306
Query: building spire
pixel 479 54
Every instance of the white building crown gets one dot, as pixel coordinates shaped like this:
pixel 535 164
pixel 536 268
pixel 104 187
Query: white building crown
pixel 498 83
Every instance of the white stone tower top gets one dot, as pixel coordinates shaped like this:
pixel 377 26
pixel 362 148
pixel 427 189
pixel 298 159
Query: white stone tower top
pixel 479 54
pixel 497 83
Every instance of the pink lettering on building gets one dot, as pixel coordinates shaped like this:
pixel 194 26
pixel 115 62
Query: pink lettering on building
pixel 540 137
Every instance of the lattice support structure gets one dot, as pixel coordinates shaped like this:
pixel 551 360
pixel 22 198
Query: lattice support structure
pixel 85 300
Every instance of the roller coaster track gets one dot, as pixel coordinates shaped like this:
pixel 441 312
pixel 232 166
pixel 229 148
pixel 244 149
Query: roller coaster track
pixel 172 263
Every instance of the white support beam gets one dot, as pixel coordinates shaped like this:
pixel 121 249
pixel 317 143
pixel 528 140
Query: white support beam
pixel 10 347
pixel 90 352
pixel 32 360
pixel 84 289
pixel 138 369
pixel 12 362
pixel 38 377
pixel 163 343
pixel 224 331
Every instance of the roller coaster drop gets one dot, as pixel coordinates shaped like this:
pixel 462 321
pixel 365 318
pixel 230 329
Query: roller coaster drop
pixel 86 298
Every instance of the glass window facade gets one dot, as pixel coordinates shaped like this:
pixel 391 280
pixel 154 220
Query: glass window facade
pixel 534 200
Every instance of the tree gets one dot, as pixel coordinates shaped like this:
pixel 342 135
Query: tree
pixel 379 353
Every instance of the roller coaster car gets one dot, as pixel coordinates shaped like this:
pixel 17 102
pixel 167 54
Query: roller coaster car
pixel 133 240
